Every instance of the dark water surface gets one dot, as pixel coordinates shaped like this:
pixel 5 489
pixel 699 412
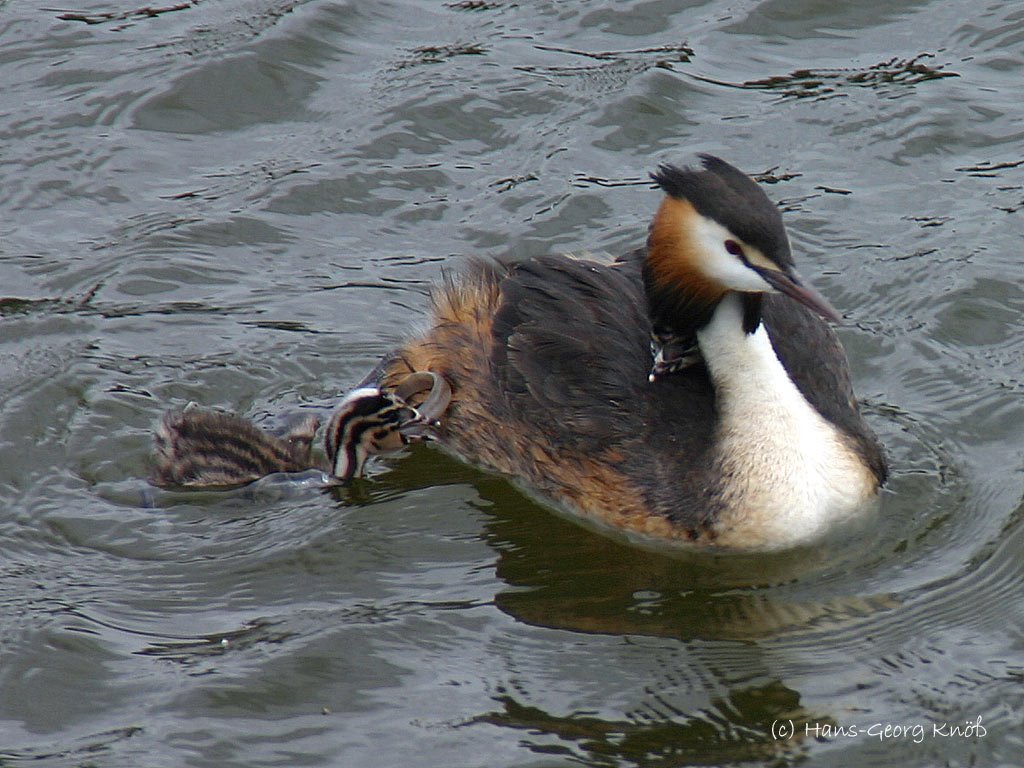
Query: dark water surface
pixel 243 202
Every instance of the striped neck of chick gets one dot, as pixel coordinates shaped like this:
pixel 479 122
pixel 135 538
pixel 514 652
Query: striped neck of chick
pixel 370 421
pixel 367 422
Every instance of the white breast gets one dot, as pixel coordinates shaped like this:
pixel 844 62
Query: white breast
pixel 788 475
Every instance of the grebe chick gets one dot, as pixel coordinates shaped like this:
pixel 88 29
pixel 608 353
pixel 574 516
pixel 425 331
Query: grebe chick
pixel 200 448
pixel 744 433
pixel 672 353
pixel 196 448
pixel 370 421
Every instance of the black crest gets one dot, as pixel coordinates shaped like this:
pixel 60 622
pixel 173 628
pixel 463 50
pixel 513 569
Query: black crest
pixel 727 195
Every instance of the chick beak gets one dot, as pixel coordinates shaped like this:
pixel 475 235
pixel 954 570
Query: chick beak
pixel 419 427
pixel 791 284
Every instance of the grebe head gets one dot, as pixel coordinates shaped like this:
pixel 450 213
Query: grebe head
pixel 366 422
pixel 369 421
pixel 716 231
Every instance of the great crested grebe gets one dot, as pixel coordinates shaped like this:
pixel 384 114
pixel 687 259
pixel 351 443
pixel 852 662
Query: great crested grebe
pixel 688 391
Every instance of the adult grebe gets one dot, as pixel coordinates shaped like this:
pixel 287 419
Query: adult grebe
pixel 744 434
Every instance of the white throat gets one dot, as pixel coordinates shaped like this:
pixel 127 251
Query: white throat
pixel 787 473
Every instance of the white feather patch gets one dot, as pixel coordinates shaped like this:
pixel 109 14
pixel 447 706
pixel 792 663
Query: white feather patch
pixel 792 475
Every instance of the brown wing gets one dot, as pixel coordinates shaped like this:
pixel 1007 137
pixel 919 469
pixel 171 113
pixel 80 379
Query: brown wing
pixel 572 355
pixel 571 350
pixel 548 362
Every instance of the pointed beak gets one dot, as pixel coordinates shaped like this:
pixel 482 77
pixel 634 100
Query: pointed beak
pixel 419 428
pixel 791 284
pixel 427 416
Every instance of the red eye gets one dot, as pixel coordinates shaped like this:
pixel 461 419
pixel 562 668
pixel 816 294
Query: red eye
pixel 734 248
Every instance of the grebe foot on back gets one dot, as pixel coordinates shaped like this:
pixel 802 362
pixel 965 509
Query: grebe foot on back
pixel 743 430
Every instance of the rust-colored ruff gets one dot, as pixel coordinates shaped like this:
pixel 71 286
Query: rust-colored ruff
pixel 674 260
